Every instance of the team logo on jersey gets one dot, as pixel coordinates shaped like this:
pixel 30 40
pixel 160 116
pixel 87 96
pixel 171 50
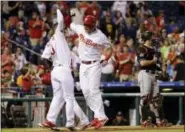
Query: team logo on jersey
pixel 89 42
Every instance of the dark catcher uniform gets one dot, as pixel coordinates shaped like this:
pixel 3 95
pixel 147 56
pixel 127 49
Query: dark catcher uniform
pixel 151 100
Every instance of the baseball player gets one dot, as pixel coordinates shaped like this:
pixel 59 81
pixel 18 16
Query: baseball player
pixel 149 89
pixel 62 81
pixel 91 44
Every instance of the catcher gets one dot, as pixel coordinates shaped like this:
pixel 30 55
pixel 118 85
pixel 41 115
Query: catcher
pixel 151 99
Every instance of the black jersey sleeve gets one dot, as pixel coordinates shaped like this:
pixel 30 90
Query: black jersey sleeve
pixel 141 52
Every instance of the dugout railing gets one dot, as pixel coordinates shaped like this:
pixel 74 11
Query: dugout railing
pixel 115 95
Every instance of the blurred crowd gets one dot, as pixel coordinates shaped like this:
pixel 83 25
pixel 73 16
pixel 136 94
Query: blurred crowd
pixel 31 24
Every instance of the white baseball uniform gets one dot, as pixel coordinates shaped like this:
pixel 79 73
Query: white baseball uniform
pixel 62 81
pixel 89 49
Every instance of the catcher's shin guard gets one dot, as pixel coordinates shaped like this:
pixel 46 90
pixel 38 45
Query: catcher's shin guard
pixel 143 108
pixel 158 103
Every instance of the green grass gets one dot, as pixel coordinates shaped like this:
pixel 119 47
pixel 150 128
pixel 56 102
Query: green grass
pixel 105 129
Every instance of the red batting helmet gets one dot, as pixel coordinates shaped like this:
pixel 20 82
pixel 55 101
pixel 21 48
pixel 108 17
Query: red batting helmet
pixel 90 21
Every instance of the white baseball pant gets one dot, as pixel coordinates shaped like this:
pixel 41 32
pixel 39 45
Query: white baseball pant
pixel 63 91
pixel 90 75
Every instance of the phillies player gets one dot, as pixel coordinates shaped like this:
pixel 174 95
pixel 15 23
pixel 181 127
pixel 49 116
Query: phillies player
pixel 62 81
pixel 91 44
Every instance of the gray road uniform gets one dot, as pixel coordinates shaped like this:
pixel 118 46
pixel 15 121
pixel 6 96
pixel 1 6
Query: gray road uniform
pixel 149 89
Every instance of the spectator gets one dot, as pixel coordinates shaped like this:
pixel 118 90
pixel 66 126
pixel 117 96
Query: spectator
pixel 120 120
pixel 21 36
pixel 12 9
pixel 108 27
pixel 42 8
pixel 126 62
pixel 19 59
pixel 141 29
pixel 25 80
pixel 164 49
pixel 35 29
pixel 142 11
pixel 7 61
pixel 39 73
pixel 79 14
pixel 119 22
pixel 6 79
pixel 179 73
pixel 132 9
pixel 130 29
pixel 146 10
pixel 164 75
pixel 120 6
pixel 149 23
pixel 171 26
pixel 130 44
pixel 160 20
pixel 46 77
pixel 16 25
pixel 119 46
pixel 164 34
pixel 176 34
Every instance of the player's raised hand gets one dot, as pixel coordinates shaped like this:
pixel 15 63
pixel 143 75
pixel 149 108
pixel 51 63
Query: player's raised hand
pixel 60 20
pixel 72 13
pixel 60 17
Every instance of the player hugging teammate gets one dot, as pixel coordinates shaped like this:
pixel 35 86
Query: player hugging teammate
pixel 151 99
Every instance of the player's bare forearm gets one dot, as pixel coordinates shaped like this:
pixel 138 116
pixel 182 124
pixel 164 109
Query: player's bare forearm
pixel 147 62
pixel 60 21
pixel 109 52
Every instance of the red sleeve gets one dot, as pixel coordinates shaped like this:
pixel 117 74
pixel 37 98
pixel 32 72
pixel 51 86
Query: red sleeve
pixel 30 23
pixel 40 23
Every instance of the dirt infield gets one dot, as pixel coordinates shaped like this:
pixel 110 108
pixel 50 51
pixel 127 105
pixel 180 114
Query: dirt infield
pixel 105 129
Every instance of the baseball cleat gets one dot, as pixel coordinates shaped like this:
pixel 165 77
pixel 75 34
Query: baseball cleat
pixel 93 122
pixel 100 123
pixel 163 123
pixel 49 125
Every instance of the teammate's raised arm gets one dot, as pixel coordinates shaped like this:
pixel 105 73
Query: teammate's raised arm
pixel 75 27
pixel 60 21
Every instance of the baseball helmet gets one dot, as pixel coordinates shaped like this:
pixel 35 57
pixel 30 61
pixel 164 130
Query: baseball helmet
pixel 90 21
pixel 146 36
